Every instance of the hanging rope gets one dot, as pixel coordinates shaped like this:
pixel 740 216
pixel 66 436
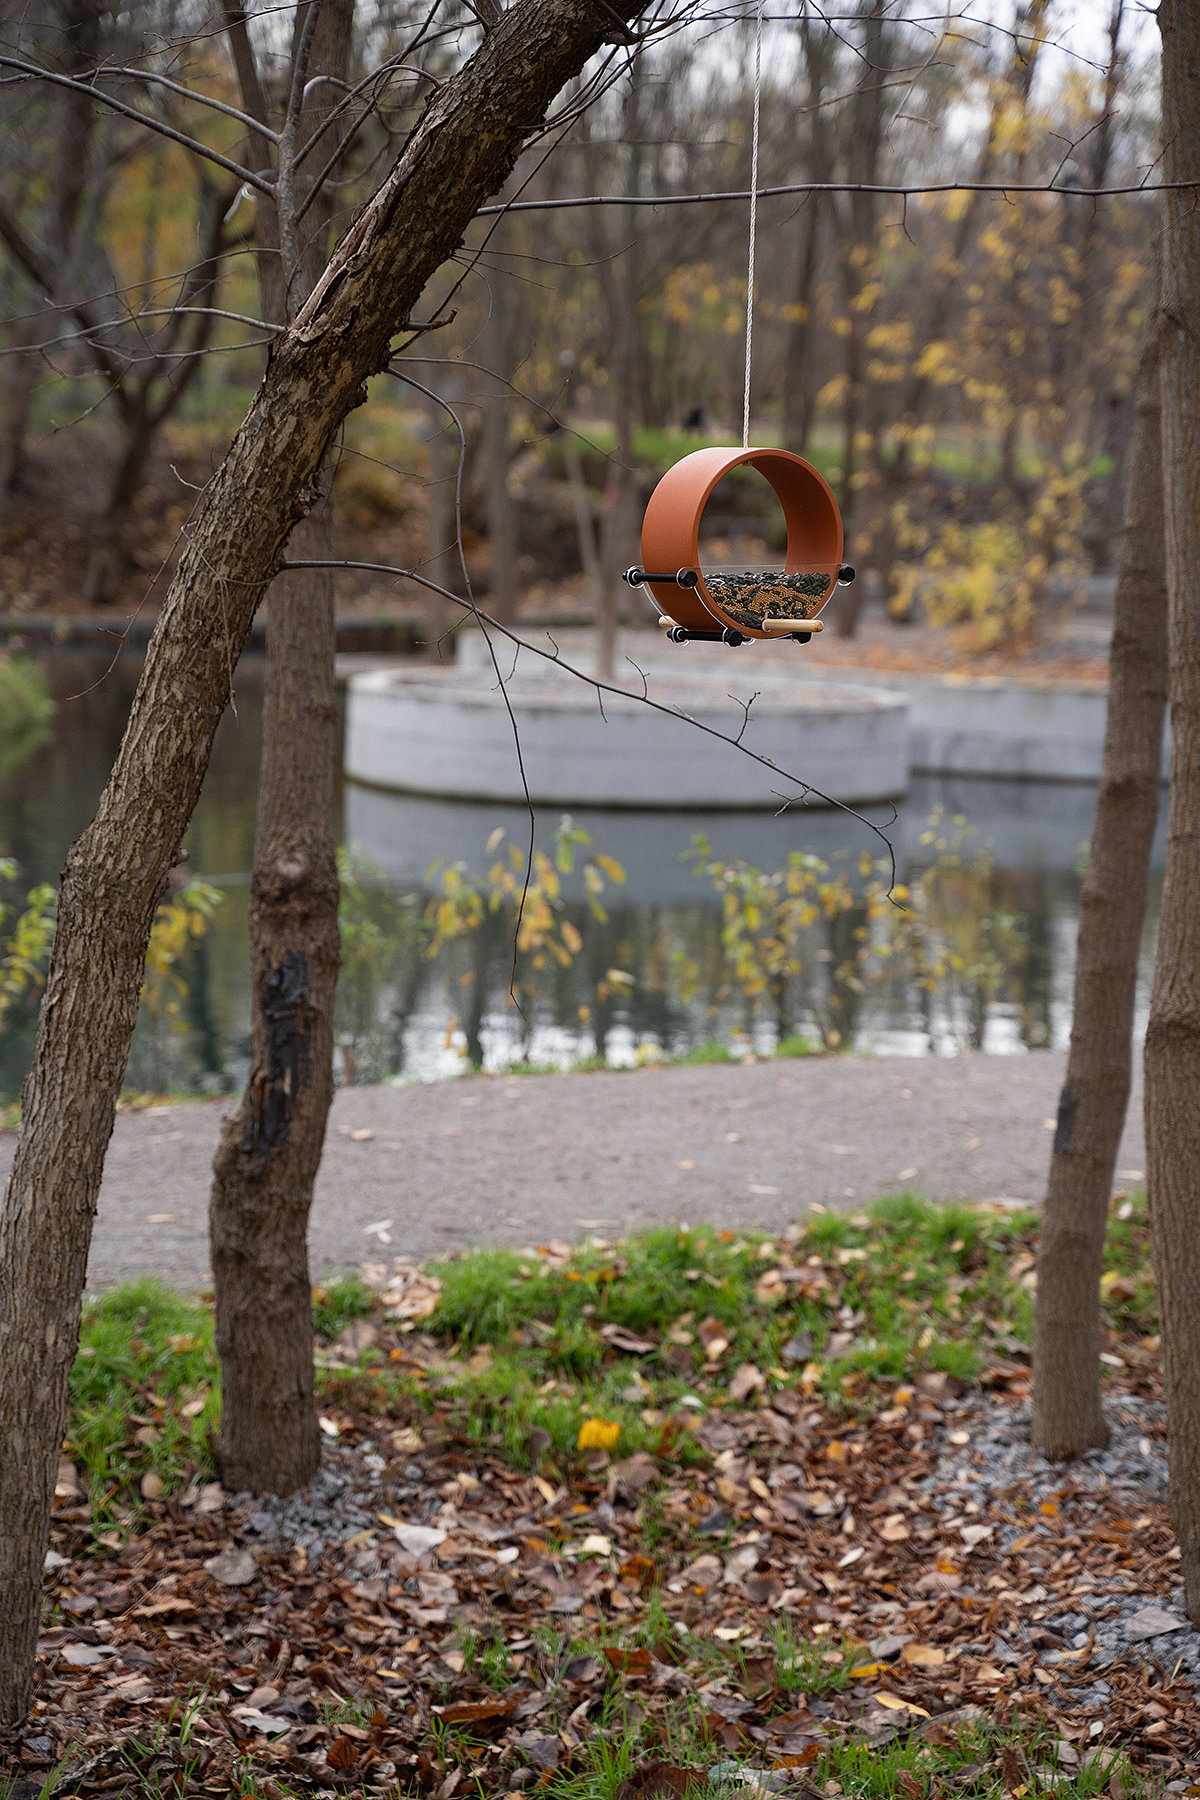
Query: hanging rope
pixel 753 223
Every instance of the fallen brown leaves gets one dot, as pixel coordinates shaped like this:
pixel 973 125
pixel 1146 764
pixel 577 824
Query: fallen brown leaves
pixel 418 1651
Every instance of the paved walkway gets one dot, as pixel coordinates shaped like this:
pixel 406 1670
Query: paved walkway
pixel 520 1159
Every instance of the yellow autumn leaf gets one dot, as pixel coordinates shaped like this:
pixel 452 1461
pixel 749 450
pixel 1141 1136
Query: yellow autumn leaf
pixel 894 1703
pixel 598 1434
pixel 923 1656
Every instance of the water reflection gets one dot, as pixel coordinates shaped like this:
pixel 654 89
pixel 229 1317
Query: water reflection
pixel 403 1013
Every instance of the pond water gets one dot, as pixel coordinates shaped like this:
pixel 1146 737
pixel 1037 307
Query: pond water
pixel 683 960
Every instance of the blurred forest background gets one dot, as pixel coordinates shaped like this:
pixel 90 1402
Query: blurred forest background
pixel 957 362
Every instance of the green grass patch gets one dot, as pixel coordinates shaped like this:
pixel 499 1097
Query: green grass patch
pixel 878 1296
pixel 1127 1287
pixel 985 1761
pixel 700 1054
pixel 643 1335
pixel 990 1760
pixel 144 1396
pixel 647 1334
pixel 338 1303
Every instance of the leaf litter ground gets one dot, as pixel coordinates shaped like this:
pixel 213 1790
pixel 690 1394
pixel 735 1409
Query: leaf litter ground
pixel 682 1514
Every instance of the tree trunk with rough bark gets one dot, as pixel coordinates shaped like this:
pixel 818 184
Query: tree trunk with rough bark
pixel 1173 1034
pixel 460 152
pixel 1067 1415
pixel 267 1161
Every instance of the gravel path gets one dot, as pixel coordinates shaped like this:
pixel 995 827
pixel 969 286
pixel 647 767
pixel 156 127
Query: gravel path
pixel 517 1159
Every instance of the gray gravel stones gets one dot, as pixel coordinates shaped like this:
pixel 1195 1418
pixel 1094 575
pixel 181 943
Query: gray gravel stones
pixel 1128 1624
pixel 342 1500
pixel 999 1453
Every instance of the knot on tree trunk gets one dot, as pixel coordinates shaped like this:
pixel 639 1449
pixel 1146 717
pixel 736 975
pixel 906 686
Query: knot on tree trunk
pixel 290 870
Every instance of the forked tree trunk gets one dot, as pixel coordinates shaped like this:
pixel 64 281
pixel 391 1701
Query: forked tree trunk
pixel 1067 1415
pixel 267 1161
pixel 462 150
pixel 1173 1033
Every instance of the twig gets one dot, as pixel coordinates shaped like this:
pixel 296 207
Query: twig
pixel 568 202
pixel 486 621
pixel 31 71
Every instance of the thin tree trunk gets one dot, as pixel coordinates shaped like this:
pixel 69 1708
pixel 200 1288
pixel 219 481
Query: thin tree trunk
pixel 109 555
pixel 441 555
pixel 68 164
pixel 23 374
pixel 267 1161
pixel 149 401
pixel 866 148
pixel 619 531
pixel 585 516
pixel 462 150
pixel 1067 1415
pixel 1173 1034
pixel 799 384
pixel 498 353
pixel 799 370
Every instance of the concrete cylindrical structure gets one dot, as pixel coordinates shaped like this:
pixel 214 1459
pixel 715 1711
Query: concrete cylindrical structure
pixel 449 732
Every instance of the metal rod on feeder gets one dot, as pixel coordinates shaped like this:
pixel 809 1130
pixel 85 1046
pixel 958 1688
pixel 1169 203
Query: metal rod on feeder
pixel 685 578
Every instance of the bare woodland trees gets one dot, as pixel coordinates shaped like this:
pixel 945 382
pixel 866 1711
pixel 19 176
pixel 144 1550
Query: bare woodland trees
pixel 882 321
pixel 146 347
pixel 462 149
pixel 1173 1033
pixel 1067 1416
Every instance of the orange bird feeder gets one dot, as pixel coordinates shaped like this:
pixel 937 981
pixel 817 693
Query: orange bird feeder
pixel 730 605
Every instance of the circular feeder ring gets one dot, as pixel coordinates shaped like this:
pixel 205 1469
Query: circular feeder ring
pixel 743 601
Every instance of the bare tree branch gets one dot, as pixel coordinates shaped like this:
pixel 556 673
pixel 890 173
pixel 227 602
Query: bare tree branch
pixel 31 72
pixel 198 99
pixel 807 790
pixel 568 203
